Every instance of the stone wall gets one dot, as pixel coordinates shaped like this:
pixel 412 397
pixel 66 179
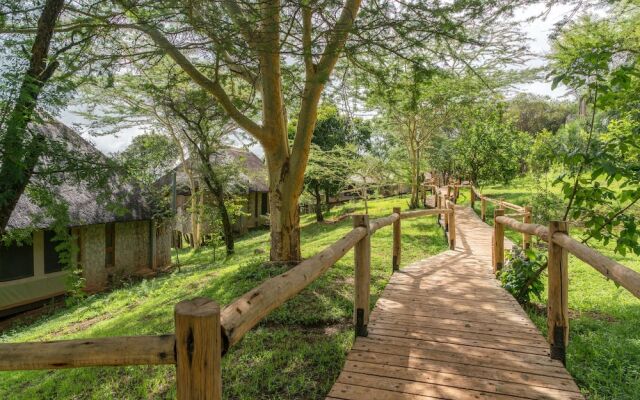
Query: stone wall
pixel 132 246
pixel 92 256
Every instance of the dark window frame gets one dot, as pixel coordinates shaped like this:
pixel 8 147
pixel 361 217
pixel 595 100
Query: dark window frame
pixel 51 257
pixel 17 255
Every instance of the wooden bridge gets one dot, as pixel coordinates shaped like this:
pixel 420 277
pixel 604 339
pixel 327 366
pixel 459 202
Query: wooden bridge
pixel 444 328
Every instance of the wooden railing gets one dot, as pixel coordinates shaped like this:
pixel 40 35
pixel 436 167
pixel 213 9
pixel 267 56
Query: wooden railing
pixel 560 244
pixel 204 333
pixel 525 212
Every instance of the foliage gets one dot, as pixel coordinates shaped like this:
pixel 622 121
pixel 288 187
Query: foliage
pixel 308 337
pixel 336 139
pixel 535 114
pixel 521 275
pixel 600 59
pixel 488 147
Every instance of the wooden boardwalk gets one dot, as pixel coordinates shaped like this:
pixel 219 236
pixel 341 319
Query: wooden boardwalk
pixel 444 329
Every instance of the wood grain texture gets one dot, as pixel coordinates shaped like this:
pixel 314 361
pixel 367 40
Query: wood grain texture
pixel 198 350
pixel 444 328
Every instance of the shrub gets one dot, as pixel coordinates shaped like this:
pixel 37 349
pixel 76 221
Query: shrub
pixel 522 272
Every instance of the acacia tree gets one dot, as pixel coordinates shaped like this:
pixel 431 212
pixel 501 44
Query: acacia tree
pixel 417 105
pixel 163 98
pixel 285 52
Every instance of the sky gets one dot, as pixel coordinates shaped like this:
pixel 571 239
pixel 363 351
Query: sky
pixel 537 31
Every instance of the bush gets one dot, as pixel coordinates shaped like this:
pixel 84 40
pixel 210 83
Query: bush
pixel 522 272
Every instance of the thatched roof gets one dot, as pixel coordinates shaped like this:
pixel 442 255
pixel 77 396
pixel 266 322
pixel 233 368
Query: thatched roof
pixel 252 173
pixel 86 205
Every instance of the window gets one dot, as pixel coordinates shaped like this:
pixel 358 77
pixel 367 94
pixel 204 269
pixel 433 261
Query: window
pixel 16 262
pixel 110 245
pixel 265 204
pixel 51 257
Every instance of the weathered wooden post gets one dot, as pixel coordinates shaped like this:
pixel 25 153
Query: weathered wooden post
pixel 456 193
pixel 526 238
pixel 498 241
pixel 198 350
pixel 444 204
pixel 397 244
pixel 558 303
pixel 473 196
pixel 483 208
pixel 452 226
pixel 362 254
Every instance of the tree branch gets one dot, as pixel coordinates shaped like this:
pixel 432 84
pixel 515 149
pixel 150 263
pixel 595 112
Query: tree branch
pixel 206 83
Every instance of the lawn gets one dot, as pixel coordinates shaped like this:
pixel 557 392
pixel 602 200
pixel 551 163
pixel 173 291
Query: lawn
pixel 604 347
pixel 295 353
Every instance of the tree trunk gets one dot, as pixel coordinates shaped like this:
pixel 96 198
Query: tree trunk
pixel 319 215
pixel 19 160
pixel 227 229
pixel 284 214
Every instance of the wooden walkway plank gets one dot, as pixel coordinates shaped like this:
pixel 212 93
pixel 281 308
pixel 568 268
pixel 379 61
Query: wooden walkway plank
pixel 444 328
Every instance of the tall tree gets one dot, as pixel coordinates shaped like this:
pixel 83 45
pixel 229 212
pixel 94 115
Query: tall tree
pixel 20 147
pixel 285 52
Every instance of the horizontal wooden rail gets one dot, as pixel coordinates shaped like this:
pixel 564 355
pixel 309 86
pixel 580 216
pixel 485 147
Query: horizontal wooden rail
pixel 382 222
pixel 249 309
pixel 623 276
pixel 203 332
pixel 113 351
pixel 611 269
pixel 505 204
pixel 532 229
pixel 421 213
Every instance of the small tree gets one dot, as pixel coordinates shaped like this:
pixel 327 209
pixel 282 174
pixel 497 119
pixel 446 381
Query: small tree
pixel 488 147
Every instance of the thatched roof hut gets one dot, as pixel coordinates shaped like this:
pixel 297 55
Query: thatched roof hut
pixel 87 205
pixel 252 173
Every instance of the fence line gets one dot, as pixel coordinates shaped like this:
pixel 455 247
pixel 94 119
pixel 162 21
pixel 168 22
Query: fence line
pixel 560 245
pixel 204 333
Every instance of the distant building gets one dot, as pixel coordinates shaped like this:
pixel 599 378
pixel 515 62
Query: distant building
pixel 110 245
pixel 252 181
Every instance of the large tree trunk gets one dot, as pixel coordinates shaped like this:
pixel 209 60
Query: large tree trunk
pixel 319 215
pixel 284 214
pixel 19 160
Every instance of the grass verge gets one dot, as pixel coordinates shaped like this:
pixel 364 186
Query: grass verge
pixel 295 353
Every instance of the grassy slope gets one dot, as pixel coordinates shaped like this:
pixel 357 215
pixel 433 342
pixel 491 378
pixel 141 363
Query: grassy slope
pixel 296 353
pixel 604 348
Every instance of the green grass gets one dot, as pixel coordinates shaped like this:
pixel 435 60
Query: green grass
pixel 604 344
pixel 295 353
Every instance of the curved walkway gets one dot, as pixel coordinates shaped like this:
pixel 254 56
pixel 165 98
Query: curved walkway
pixel 444 329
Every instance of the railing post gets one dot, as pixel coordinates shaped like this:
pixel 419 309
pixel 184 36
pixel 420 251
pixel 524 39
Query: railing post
pixel 473 197
pixel 483 208
pixel 558 290
pixel 362 253
pixel 526 238
pixel 397 244
pixel 498 241
pixel 198 350
pixel 445 205
pixel 452 226
pixel 440 216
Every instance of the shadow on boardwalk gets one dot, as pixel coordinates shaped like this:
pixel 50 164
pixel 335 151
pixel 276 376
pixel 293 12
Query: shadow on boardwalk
pixel 445 329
